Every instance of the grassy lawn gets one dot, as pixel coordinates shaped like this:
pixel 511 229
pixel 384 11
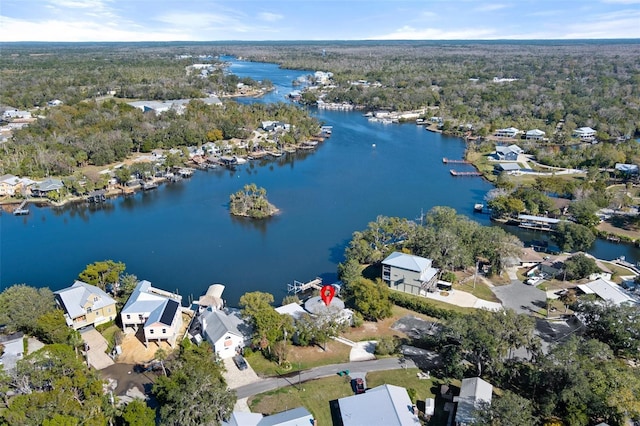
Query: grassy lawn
pixel 301 358
pixel 618 271
pixel 482 291
pixel 407 378
pixel 109 335
pixel 314 396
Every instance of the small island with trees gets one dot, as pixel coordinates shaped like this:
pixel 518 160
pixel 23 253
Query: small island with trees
pixel 252 202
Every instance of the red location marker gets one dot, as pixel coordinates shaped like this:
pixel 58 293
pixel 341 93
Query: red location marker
pixel 326 294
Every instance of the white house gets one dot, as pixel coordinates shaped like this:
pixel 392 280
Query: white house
pixel 473 392
pixel 10 185
pixel 221 330
pixel 534 135
pixel 386 405
pixel 607 290
pixel 509 132
pixel 408 273
pixel 585 133
pixel 157 311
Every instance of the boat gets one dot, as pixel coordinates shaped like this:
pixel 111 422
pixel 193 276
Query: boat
pixel 146 186
pixel 478 207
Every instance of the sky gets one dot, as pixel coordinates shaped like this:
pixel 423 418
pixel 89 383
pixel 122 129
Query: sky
pixel 253 20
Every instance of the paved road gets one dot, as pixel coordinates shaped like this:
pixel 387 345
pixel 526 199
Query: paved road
pixel 324 371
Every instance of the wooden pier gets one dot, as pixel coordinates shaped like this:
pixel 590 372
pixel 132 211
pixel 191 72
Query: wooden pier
pixel 457 173
pixel 446 160
pixel 298 286
pixel 20 210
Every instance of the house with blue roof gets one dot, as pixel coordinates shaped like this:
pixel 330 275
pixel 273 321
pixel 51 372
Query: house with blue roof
pixel 409 273
pixel 156 311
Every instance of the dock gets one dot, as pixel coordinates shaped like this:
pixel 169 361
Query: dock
pixel 21 210
pixel 446 160
pixel 146 186
pixel 457 173
pixel 299 287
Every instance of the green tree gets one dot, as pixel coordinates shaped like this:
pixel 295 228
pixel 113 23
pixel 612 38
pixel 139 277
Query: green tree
pixel 268 325
pixel 371 299
pixel 53 387
pixel 573 237
pixel 51 327
pixel 21 306
pixel 137 413
pixel 102 273
pixel 580 266
pixel 584 212
pixel 195 393
pixel 509 409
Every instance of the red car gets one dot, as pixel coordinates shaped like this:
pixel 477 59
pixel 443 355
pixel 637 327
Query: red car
pixel 359 386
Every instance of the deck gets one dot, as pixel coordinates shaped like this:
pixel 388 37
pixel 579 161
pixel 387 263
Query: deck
pixel 299 287
pixel 457 173
pixel 21 210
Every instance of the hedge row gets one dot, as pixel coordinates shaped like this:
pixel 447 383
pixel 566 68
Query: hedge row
pixel 421 305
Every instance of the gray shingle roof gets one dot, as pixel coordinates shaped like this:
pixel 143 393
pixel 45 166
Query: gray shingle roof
pixel 216 324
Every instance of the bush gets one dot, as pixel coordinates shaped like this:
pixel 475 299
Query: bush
pixel 420 305
pixel 386 346
pixel 357 320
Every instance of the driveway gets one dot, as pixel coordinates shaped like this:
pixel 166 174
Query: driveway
pixel 522 298
pixel 96 354
pixel 235 377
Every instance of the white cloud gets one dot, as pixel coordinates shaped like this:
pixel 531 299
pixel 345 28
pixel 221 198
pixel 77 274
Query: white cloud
pixel 270 17
pixel 410 33
pixel 491 7
pixel 57 30
pixel 619 24
pixel 621 1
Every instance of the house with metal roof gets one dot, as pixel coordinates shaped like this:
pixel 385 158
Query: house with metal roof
pixel 534 135
pixel 508 153
pixel 387 405
pixel 222 330
pixel 409 273
pixel 41 189
pixel 473 393
pixel 627 169
pixel 296 417
pixel 84 305
pixel 584 133
pixel 509 132
pixel 510 168
pixel 609 291
pixel 157 311
pixel 10 185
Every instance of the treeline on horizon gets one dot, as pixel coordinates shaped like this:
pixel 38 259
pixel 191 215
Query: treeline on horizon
pixel 586 83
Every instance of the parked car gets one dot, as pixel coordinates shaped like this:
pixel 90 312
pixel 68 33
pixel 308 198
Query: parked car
pixel 359 386
pixel 240 362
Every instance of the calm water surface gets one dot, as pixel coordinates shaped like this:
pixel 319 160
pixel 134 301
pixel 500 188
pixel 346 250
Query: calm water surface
pixel 182 237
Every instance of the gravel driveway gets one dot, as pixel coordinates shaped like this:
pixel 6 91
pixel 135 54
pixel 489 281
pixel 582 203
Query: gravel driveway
pixel 520 297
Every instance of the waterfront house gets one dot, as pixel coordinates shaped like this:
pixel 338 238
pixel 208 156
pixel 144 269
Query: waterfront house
pixel 387 405
pixel 84 305
pixel 508 153
pixel 222 330
pixel 586 134
pixel 408 273
pixel 627 169
pixel 534 135
pixel 156 311
pixel 609 291
pixel 474 392
pixel 509 132
pixel 10 185
pixel 41 189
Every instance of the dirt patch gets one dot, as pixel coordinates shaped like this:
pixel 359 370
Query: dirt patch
pixel 126 378
pixel 384 328
pixel 622 226
pixel 134 350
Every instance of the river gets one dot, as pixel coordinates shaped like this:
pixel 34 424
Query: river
pixel 181 236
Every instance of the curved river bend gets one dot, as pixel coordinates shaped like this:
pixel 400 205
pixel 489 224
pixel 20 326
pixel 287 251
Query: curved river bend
pixel 182 237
